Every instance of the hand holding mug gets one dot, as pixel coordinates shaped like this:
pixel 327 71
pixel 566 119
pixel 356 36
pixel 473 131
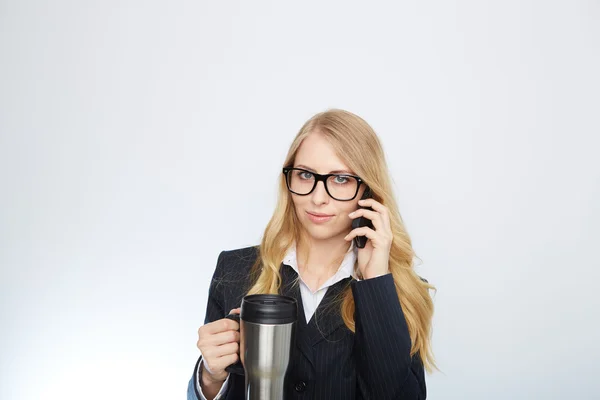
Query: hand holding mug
pixel 218 342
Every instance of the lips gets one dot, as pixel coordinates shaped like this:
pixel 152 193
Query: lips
pixel 316 214
pixel 318 218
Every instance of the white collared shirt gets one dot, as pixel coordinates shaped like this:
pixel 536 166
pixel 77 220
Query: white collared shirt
pixel 310 299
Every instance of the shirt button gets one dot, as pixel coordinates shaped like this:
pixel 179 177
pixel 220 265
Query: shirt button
pixel 300 386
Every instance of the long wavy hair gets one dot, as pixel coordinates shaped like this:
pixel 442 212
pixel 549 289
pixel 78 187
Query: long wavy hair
pixel 357 144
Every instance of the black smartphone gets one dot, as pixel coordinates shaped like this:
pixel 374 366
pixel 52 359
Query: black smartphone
pixel 361 241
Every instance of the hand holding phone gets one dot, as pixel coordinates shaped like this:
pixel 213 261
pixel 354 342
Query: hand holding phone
pixel 361 241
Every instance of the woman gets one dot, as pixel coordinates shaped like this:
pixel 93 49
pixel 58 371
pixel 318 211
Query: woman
pixel 364 318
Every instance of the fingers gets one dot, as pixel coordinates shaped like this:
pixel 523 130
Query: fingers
pixel 374 204
pixel 221 351
pixel 374 216
pixel 235 311
pixel 364 231
pixel 218 339
pixel 379 239
pixel 220 325
pixel 379 208
pixel 379 216
pixel 218 342
pixel 216 365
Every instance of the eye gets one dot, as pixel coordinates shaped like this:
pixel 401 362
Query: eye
pixel 341 179
pixel 304 174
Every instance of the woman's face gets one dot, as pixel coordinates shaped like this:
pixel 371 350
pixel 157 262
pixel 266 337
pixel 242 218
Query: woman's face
pixel 322 217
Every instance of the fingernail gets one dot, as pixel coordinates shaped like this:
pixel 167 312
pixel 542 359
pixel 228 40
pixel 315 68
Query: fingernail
pixel 351 214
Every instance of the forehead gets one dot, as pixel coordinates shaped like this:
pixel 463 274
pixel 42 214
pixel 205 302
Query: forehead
pixel 318 154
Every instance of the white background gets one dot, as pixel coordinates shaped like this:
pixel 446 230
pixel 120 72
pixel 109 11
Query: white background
pixel 141 138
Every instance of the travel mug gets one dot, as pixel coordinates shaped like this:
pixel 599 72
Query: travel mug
pixel 267 337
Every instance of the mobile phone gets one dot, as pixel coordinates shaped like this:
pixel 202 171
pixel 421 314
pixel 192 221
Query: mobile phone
pixel 361 241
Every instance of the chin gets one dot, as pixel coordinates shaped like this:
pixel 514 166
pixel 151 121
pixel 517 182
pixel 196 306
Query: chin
pixel 321 233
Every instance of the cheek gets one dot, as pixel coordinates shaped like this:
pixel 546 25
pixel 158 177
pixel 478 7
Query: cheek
pixel 346 209
pixel 349 207
pixel 298 202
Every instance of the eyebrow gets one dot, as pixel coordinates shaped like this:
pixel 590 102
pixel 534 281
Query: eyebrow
pixel 338 171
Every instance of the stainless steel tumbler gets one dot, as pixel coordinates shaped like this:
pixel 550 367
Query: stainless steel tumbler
pixel 267 337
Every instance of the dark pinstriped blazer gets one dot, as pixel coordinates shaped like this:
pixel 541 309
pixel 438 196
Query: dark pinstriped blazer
pixel 330 362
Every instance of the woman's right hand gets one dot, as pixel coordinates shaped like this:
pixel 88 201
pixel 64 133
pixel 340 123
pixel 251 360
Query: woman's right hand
pixel 218 342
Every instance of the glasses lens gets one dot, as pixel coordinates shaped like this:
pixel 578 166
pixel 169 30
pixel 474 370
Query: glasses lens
pixel 342 187
pixel 300 182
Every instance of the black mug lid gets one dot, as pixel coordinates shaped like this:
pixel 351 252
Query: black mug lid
pixel 269 309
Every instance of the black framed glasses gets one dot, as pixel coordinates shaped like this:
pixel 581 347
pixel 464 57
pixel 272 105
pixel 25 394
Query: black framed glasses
pixel 342 187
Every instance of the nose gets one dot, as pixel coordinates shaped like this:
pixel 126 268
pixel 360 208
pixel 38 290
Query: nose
pixel 319 195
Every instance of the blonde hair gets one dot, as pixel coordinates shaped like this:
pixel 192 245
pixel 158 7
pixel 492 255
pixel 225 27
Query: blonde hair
pixel 357 144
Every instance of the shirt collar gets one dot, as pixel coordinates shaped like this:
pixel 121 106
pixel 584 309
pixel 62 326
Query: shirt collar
pixel 345 270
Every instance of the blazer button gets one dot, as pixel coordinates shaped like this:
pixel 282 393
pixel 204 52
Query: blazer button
pixel 300 386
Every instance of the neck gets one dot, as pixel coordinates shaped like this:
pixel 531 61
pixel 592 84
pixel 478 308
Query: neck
pixel 321 256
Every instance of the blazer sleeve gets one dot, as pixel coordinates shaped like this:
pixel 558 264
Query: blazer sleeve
pixel 385 369
pixel 214 311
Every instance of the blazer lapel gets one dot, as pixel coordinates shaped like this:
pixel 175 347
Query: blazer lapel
pixel 327 318
pixel 290 287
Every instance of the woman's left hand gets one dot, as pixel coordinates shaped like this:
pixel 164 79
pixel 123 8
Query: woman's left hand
pixel 373 259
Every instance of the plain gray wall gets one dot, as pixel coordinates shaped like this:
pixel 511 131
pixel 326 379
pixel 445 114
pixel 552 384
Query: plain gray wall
pixel 141 138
